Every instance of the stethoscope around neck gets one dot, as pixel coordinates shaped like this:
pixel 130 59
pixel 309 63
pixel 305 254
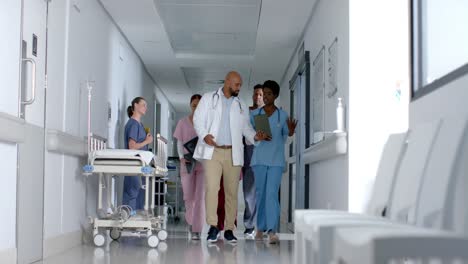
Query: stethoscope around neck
pixel 215 100
pixel 278 124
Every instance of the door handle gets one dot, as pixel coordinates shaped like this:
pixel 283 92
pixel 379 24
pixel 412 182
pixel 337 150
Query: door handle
pixel 33 82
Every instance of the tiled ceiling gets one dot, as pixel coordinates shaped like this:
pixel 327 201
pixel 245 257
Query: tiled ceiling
pixel 188 46
pixel 211 27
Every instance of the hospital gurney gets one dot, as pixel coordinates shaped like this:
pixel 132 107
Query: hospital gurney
pixel 106 163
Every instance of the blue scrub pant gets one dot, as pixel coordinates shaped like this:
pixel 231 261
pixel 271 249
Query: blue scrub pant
pixel 133 194
pixel 267 184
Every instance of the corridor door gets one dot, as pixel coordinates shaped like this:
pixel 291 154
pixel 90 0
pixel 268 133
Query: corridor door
pixel 30 183
pixel 298 173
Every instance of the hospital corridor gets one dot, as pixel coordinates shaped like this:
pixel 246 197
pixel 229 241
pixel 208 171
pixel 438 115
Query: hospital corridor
pixel 233 131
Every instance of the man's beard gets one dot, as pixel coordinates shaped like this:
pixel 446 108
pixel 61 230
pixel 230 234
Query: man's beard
pixel 234 93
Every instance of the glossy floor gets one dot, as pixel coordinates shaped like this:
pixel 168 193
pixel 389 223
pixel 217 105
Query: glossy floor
pixel 179 249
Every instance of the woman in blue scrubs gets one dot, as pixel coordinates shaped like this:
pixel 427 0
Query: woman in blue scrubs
pixel 135 138
pixel 268 162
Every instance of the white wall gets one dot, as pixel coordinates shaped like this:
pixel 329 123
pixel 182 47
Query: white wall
pixel 373 79
pixel 128 81
pixel 180 115
pixel 378 88
pixel 450 100
pixel 168 123
pixel 441 58
pixel 85 44
pixel 328 179
pixel 8 163
pixel 10 16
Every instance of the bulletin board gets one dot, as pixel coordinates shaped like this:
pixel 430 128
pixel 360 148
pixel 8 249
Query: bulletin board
pixel 333 68
pixel 318 96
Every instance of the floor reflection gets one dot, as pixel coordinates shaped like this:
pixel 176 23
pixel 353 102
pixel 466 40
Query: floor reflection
pixel 178 249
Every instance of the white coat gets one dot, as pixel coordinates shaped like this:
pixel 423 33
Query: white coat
pixel 207 120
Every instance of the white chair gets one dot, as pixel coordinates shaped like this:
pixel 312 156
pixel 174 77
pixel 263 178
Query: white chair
pixel 381 244
pixel 389 163
pixel 313 226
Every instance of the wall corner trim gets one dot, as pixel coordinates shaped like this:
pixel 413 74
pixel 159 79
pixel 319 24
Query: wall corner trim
pixel 11 128
pixel 63 143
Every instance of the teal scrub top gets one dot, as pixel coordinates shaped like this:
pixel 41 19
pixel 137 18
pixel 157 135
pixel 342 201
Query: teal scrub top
pixel 271 153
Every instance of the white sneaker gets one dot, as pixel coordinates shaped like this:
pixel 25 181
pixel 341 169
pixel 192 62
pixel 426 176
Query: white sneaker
pixel 195 236
pixel 250 234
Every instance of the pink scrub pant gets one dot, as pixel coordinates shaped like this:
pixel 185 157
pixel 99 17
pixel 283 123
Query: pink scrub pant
pixel 193 186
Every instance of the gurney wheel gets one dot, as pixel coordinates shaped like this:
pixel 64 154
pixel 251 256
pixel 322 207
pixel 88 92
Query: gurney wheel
pixel 162 235
pixel 153 241
pixel 99 240
pixel 162 247
pixel 115 233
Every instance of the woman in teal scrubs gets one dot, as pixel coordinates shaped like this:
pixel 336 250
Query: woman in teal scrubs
pixel 135 138
pixel 268 162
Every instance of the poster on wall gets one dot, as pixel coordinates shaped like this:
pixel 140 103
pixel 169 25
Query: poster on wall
pixel 318 96
pixel 333 69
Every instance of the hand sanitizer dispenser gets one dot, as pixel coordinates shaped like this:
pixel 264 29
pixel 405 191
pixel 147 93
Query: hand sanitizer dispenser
pixel 340 116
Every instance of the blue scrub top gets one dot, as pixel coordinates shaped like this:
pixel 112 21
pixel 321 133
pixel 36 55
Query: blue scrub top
pixel 136 131
pixel 224 133
pixel 271 153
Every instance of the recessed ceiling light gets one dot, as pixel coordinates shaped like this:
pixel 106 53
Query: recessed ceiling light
pixel 215 81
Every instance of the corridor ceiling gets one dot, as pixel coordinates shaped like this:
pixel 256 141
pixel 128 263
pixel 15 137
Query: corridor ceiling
pixel 188 46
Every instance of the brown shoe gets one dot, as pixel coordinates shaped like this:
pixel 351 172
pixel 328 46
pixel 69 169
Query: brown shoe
pixel 259 236
pixel 274 239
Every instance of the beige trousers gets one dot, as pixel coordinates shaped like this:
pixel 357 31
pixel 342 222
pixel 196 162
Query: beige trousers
pixel 221 165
